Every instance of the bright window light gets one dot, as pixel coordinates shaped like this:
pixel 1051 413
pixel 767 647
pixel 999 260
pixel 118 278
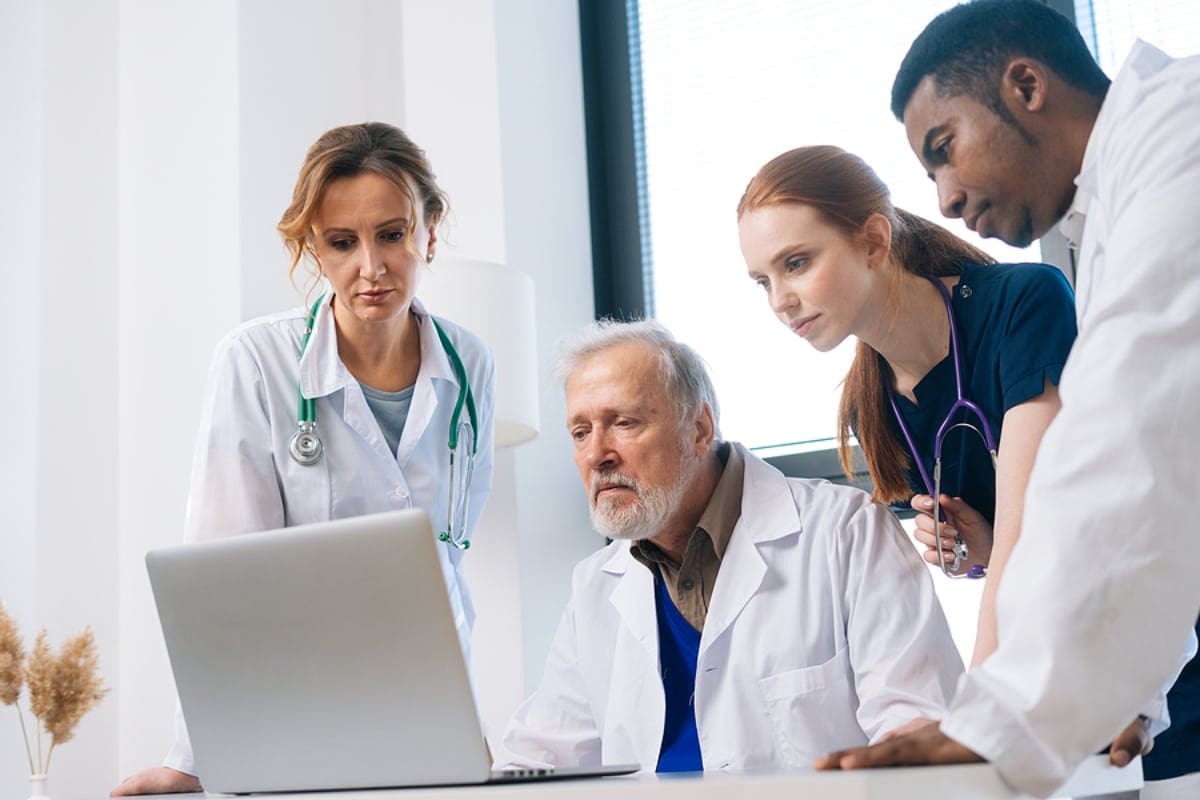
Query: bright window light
pixel 725 87
pixel 1110 27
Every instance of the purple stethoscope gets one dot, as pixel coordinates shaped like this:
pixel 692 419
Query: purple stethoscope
pixel 934 487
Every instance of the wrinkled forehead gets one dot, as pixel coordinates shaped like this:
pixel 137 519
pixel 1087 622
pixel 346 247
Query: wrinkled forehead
pixel 621 376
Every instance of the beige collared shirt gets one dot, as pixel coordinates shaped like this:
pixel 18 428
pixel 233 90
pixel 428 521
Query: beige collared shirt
pixel 690 584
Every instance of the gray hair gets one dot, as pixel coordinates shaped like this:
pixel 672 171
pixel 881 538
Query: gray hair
pixel 681 368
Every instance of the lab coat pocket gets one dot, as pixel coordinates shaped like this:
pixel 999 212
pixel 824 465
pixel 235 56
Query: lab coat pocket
pixel 812 710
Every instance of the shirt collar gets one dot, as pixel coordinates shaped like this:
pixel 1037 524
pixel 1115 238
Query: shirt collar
pixel 721 514
pixel 322 372
pixel 435 362
pixel 724 508
pixel 1144 61
pixel 1073 222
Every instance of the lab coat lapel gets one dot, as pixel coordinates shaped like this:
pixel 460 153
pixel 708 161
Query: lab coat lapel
pixel 633 598
pixel 321 371
pixel 435 368
pixel 636 693
pixel 322 374
pixel 768 513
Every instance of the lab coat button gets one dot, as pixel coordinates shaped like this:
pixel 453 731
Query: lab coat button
pixel 400 493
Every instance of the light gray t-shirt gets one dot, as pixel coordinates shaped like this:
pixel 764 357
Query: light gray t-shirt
pixel 390 410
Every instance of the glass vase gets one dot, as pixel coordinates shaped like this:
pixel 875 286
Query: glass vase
pixel 37 787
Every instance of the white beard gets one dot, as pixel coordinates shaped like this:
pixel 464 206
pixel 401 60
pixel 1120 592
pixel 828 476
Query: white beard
pixel 641 519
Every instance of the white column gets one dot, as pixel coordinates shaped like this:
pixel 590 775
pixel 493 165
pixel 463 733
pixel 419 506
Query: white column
pixel 548 235
pixel 61 398
pixel 451 110
pixel 493 91
pixel 20 223
pixel 20 214
pixel 179 290
pixel 219 102
pixel 304 66
pixel 451 100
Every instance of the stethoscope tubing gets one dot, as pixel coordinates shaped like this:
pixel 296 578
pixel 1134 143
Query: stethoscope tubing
pixel 306 446
pixel 961 403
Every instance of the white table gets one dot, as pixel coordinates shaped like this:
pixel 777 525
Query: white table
pixel 1095 778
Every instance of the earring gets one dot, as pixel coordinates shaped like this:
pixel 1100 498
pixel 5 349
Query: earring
pixel 429 257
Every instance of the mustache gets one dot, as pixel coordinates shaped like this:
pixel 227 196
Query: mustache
pixel 612 478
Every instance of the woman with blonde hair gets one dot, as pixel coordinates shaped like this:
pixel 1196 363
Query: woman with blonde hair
pixel 361 403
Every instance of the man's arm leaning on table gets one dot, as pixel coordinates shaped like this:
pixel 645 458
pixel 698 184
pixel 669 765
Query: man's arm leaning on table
pixel 555 725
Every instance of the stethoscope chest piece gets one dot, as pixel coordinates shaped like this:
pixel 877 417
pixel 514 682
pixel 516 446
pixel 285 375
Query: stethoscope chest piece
pixel 305 445
pixel 306 448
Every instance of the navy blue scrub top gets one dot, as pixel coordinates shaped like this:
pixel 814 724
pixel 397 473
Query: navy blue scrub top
pixel 1016 325
pixel 1177 749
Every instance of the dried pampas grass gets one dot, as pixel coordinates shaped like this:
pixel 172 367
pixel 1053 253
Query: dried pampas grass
pixel 62 688
pixel 12 656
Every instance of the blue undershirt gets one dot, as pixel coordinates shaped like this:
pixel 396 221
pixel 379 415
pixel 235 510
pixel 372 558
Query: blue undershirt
pixel 1177 749
pixel 678 649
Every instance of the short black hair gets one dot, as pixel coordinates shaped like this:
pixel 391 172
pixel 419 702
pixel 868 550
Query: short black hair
pixel 966 49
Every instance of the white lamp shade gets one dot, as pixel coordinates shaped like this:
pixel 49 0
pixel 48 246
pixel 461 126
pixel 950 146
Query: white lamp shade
pixel 495 302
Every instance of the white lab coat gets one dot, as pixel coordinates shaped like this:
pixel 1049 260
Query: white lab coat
pixel 244 480
pixel 1103 588
pixel 823 631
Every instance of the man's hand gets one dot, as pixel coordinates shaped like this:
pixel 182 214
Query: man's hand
pixel 926 745
pixel 961 520
pixel 908 727
pixel 157 780
pixel 1135 740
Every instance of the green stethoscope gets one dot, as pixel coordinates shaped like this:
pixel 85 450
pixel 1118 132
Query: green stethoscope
pixel 306 446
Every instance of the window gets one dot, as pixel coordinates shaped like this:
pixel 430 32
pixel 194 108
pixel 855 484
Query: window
pixel 688 98
pixel 717 89
pixel 1110 27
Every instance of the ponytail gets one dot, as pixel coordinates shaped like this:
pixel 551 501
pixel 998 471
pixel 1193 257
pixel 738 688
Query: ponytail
pixel 922 248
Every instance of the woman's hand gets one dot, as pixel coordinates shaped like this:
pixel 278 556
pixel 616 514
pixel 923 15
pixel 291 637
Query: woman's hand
pixel 157 780
pixel 961 520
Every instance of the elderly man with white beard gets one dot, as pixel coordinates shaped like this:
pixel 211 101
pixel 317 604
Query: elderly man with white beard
pixel 739 619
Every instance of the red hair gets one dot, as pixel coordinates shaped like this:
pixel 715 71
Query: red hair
pixel 846 193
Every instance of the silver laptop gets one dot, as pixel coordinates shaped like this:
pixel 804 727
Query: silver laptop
pixel 323 657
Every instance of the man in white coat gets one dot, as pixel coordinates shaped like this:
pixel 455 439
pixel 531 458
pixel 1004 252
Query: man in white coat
pixel 1020 131
pixel 740 619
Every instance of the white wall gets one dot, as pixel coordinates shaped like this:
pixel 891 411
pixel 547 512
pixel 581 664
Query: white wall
pixel 62 393
pixel 304 66
pixel 152 147
pixel 179 283
pixel 20 62
pixel 548 236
